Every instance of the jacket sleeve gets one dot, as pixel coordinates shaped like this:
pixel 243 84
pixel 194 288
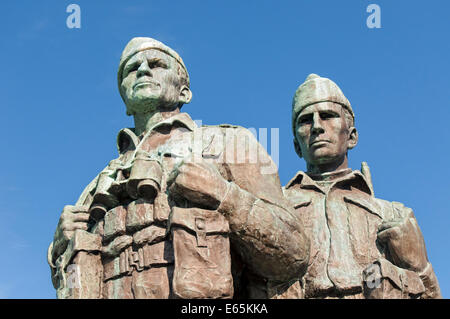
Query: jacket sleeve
pixel 430 282
pixel 425 275
pixel 58 261
pixel 264 229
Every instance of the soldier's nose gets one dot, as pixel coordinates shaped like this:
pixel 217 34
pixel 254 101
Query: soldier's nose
pixel 144 69
pixel 317 124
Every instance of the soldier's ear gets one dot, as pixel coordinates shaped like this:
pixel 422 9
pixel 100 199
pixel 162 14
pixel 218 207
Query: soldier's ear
pixel 352 138
pixel 185 95
pixel 297 148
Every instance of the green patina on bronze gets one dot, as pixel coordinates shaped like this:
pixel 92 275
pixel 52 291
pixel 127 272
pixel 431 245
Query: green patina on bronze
pixel 199 212
pixel 184 211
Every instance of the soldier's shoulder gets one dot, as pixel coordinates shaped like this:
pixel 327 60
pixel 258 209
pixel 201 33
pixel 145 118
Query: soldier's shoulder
pixel 228 129
pixel 221 126
pixel 392 209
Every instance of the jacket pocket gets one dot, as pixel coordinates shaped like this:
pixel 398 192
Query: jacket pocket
pixel 202 254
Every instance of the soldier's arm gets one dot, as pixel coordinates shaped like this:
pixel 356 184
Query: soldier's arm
pixel 59 243
pixel 429 280
pixel 405 243
pixel 267 236
pixel 264 229
pixel 236 176
pixel 65 230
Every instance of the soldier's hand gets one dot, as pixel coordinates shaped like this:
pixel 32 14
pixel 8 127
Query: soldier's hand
pixel 72 218
pixel 200 183
pixel 405 242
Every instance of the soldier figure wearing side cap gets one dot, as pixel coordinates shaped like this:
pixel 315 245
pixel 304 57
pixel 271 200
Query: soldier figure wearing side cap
pixel 184 211
pixel 360 246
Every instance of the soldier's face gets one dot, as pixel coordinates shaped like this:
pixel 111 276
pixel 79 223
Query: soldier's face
pixel 150 82
pixel 322 133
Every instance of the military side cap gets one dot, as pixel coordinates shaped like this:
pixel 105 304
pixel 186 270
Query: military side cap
pixel 141 44
pixel 314 90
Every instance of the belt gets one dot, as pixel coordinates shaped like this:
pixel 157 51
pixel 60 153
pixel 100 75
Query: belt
pixel 150 249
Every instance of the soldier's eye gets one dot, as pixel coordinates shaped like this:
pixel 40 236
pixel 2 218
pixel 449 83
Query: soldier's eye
pixel 326 115
pixel 305 119
pixel 157 64
pixel 131 68
pixel 162 64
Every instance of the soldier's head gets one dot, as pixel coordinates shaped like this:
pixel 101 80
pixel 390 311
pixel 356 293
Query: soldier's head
pixel 152 77
pixel 322 122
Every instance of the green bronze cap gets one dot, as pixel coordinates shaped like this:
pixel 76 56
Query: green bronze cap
pixel 314 90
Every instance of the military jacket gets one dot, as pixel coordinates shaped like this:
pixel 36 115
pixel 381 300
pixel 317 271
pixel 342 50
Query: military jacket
pixel 341 218
pixel 167 247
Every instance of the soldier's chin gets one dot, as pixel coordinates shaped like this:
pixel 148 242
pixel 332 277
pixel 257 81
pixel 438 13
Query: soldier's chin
pixel 146 95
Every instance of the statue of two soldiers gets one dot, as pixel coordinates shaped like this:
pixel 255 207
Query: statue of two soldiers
pixel 199 212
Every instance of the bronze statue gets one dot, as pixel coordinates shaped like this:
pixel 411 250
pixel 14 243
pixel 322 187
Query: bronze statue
pixel 360 246
pixel 184 211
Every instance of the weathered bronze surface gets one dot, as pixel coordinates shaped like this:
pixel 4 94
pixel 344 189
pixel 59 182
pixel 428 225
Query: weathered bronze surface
pixel 184 211
pixel 198 212
pixel 360 246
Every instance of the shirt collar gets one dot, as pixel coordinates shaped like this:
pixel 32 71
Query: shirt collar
pixel 128 140
pixel 182 118
pixel 355 178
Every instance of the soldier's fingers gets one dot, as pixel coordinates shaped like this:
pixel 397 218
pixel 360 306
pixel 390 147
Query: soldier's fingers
pixel 68 234
pixel 72 226
pixel 80 217
pixel 81 225
pixel 389 224
pixel 70 217
pixel 174 173
pixel 390 233
pixel 69 209
pixel 182 178
pixel 80 209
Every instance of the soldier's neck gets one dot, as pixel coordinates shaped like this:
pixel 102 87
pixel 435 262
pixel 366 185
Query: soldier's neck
pixel 320 169
pixel 145 121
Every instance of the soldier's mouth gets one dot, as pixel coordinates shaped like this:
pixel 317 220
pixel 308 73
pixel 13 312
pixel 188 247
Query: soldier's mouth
pixel 145 83
pixel 319 142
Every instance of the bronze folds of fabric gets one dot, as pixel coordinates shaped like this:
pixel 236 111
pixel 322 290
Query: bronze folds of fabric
pixel 145 273
pixel 202 254
pixel 392 283
pixel 91 272
pixel 145 177
pixel 152 283
pixel 154 280
pixel 150 249
pixel 81 267
pixel 118 266
pixel 139 215
pixel 118 288
pixel 115 222
pixel 288 290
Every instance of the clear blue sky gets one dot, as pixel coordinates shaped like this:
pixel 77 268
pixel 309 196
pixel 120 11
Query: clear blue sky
pixel 61 109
